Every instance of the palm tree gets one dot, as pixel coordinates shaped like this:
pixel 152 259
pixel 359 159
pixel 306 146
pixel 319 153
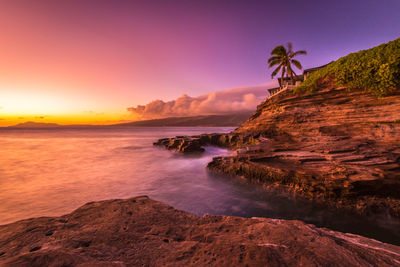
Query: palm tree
pixel 284 59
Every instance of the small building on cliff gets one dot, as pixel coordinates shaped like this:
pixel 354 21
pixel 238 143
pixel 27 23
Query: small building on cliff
pixel 297 80
pixel 288 83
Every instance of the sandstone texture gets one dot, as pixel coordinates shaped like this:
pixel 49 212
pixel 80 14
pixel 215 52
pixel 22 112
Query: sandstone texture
pixel 144 232
pixel 337 146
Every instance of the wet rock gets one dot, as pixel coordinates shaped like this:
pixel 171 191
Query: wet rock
pixel 181 144
pixel 158 235
pixel 196 143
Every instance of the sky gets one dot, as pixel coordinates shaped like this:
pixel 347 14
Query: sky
pixel 95 61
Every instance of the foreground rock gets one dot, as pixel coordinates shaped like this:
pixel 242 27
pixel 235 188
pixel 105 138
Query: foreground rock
pixel 143 232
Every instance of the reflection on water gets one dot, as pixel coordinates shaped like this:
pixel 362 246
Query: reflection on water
pixel 51 172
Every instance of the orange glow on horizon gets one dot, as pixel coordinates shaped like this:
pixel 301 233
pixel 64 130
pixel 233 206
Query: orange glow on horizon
pixel 91 118
pixel 44 105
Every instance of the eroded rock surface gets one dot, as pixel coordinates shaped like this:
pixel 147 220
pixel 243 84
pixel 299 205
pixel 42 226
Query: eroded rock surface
pixel 144 232
pixel 189 144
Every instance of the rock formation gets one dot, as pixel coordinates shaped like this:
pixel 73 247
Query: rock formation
pixel 334 145
pixel 144 232
pixel 190 144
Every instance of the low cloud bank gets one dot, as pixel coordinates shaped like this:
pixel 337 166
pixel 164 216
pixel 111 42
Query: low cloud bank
pixel 215 103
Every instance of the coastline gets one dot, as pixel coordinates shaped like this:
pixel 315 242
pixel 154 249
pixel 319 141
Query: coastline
pixel 332 146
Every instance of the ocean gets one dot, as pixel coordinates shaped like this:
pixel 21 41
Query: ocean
pixel 50 172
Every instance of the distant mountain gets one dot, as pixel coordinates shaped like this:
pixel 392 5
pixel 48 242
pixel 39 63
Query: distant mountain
pixel 193 121
pixel 203 120
pixel 32 124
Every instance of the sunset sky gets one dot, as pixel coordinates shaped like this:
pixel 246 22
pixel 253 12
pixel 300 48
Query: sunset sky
pixel 88 61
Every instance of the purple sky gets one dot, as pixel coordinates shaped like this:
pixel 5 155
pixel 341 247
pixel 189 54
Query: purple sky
pixel 105 56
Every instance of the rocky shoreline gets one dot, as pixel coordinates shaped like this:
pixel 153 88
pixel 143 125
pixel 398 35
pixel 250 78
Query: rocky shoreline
pixel 195 144
pixel 333 146
pixel 143 232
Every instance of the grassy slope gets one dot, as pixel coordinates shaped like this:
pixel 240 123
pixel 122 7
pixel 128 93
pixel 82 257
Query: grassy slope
pixel 376 70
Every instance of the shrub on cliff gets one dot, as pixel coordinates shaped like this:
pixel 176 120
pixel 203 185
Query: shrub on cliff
pixel 376 70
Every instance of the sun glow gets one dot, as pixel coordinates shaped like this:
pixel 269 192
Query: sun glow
pixel 33 104
pixel 21 105
pixel 70 119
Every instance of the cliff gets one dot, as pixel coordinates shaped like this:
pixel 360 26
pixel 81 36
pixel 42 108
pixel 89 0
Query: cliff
pixel 335 138
pixel 334 145
pixel 144 232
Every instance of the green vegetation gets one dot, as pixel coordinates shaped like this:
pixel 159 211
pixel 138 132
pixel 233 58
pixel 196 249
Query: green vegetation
pixel 283 58
pixel 376 70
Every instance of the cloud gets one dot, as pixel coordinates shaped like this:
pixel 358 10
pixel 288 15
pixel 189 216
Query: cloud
pixel 219 102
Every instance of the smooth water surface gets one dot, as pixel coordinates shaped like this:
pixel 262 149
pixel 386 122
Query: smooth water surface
pixel 51 172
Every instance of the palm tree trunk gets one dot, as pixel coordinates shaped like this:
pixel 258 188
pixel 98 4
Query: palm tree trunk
pixel 283 74
pixel 291 78
pixel 287 76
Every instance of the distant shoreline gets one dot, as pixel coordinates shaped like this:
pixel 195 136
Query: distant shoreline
pixel 228 120
pixel 72 127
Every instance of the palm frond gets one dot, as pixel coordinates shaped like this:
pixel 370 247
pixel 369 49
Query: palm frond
pixel 297 64
pixel 274 63
pixel 274 58
pixel 275 72
pixel 280 50
pixel 300 52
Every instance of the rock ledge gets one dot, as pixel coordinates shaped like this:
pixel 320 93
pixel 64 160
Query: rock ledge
pixel 143 232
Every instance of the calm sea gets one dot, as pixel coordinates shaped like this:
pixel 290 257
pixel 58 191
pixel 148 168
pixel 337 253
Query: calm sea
pixel 51 172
